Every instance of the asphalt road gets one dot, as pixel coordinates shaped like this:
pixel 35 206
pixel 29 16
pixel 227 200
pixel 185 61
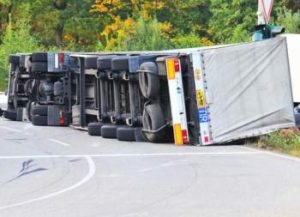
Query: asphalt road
pixel 47 171
pixel 62 172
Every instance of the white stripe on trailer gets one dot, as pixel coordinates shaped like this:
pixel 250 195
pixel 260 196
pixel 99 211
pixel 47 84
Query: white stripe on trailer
pixel 56 61
pixel 203 115
pixel 176 94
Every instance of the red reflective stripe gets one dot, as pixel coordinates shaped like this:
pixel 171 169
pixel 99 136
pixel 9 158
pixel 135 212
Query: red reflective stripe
pixel 184 136
pixel 61 119
pixel 176 65
pixel 61 58
pixel 206 139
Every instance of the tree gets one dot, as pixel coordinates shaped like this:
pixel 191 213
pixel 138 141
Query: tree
pixel 15 41
pixel 289 19
pixel 232 21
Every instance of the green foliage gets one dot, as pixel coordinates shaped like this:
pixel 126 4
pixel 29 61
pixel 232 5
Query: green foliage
pixel 286 140
pixel 288 19
pixel 187 40
pixel 143 35
pixel 15 41
pixel 232 21
pixel 147 36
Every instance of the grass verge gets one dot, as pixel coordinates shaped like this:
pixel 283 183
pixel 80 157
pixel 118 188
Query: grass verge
pixel 285 140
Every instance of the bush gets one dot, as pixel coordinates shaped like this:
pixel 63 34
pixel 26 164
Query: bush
pixel 288 19
pixel 285 140
pixel 133 35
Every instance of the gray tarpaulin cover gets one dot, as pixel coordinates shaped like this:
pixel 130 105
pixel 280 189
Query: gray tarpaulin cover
pixel 248 89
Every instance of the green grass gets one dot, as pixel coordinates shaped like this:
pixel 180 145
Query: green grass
pixel 285 140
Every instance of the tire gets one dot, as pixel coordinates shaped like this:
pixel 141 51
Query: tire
pixel 1 112
pixel 153 120
pixel 149 85
pixel 126 134
pixel 39 110
pixel 11 115
pixel 39 67
pixel 39 57
pixel 14 59
pixel 90 62
pixel 104 62
pixel 109 131
pixel 38 120
pixel 120 63
pixel 28 109
pixel 94 129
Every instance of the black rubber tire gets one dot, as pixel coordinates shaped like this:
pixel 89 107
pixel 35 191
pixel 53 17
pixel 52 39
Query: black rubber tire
pixel 11 115
pixel 104 62
pixel 39 57
pixel 149 85
pixel 14 59
pixel 39 110
pixel 109 131
pixel 120 63
pixel 153 119
pixel 38 120
pixel 39 67
pixel 1 112
pixel 94 129
pixel 126 134
pixel 28 109
pixel 90 62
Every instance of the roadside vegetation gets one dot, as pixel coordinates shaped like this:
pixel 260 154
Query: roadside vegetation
pixel 285 140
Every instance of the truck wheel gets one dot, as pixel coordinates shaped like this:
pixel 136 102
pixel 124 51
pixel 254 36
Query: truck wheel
pixel 39 110
pixel 109 131
pixel 153 117
pixel 29 105
pixel 149 84
pixel 39 57
pixel 11 115
pixel 14 59
pixel 120 64
pixel 153 120
pixel 39 67
pixel 126 134
pixel 94 129
pixel 38 120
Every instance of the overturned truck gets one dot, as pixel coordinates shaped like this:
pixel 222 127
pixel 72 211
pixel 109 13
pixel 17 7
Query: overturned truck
pixel 200 96
pixel 229 92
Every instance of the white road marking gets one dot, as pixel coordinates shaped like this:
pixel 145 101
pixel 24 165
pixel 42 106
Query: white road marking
pixel 11 129
pixel 59 142
pixel 134 155
pixel 89 175
pixel 274 154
